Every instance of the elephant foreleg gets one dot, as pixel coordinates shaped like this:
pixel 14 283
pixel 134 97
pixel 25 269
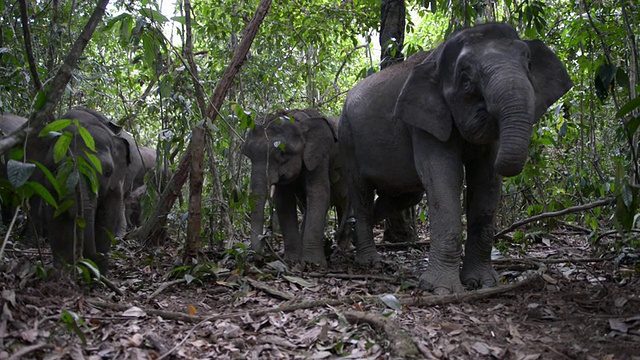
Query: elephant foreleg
pixel 483 196
pixel 286 209
pixel 440 168
pixel 318 195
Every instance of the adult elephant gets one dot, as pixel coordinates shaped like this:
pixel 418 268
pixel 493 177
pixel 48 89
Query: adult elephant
pixel 296 151
pixel 97 209
pixel 463 111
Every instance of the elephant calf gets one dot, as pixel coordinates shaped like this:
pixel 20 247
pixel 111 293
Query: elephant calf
pixel 296 151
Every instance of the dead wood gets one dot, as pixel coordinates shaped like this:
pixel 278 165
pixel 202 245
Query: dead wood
pixel 194 221
pixel 164 286
pixel 269 290
pixel 404 245
pixel 154 223
pixel 400 340
pixel 111 285
pixel 569 210
pixel 28 349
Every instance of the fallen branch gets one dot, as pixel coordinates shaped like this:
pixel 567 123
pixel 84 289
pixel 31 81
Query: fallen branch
pixel 569 210
pixel 404 245
pixel 164 286
pixel 28 349
pixel 111 285
pixel 533 261
pixel 399 338
pixel 269 290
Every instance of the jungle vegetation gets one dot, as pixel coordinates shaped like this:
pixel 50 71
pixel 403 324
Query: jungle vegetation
pixel 140 64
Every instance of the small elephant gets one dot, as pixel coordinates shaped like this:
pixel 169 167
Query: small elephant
pixel 97 209
pixel 462 111
pixel 296 151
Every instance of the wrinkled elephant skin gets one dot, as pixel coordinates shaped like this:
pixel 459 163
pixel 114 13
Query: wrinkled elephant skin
pixel 297 152
pixel 462 111
pixel 97 210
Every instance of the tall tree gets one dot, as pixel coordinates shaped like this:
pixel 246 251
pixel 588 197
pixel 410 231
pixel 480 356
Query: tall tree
pixel 392 23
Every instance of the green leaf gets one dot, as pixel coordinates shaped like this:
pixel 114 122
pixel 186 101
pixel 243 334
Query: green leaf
pixel 90 174
pixel 57 125
pixel 50 177
pixel 391 301
pixel 18 172
pixel 153 15
pixel 86 137
pixel 42 192
pixel 71 320
pixel 93 159
pixel 62 146
pixel 93 268
pixel 628 107
pixel 64 207
pixel 41 100
pixel 81 223
pixel 181 19
pixel 71 181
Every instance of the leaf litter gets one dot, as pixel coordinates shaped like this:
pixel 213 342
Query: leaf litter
pixel 575 309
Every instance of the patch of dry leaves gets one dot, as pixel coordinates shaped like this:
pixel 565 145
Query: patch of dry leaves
pixel 575 310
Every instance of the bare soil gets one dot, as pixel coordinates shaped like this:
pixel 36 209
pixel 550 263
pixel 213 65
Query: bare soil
pixel 562 298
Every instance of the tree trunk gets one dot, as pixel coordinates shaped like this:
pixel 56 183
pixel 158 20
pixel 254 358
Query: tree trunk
pixel 194 221
pixel 392 22
pixel 156 222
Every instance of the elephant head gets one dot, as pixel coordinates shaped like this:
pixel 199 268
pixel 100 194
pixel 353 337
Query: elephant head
pixel 488 84
pixel 280 149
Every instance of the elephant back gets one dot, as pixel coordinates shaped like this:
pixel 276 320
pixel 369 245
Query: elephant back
pixel 10 123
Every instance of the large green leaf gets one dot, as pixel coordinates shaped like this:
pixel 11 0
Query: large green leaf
pixel 62 146
pixel 153 15
pixel 42 192
pixel 18 172
pixel 628 107
pixel 57 126
pixel 86 137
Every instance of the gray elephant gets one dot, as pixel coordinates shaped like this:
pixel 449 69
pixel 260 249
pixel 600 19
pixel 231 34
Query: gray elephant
pixel 97 209
pixel 133 199
pixel 462 111
pixel 8 124
pixel 297 152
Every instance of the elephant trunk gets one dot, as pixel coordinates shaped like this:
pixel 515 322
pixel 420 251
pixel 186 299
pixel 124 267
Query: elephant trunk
pixel 514 107
pixel 259 188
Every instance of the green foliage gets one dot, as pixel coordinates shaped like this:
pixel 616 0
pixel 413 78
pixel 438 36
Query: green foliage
pixel 74 323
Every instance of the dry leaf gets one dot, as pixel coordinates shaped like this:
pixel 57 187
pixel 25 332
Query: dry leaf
pixel 134 311
pixel 192 310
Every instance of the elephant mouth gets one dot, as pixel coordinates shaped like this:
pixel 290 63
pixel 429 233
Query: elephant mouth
pixel 480 128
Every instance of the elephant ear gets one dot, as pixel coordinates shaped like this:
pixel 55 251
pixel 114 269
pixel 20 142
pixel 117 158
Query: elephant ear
pixel 549 78
pixel 320 139
pixel 421 103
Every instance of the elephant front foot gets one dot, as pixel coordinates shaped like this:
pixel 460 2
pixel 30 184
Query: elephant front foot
pixel 440 282
pixel 369 259
pixel 475 276
pixel 315 259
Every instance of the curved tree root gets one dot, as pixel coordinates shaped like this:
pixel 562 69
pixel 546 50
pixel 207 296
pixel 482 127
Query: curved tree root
pixel 400 340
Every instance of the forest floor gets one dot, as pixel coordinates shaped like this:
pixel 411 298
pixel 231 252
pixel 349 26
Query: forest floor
pixel 560 298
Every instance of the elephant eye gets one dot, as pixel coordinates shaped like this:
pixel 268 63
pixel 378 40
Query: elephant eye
pixel 466 83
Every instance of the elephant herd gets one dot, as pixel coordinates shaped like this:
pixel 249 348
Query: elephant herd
pixel 109 210
pixel 459 114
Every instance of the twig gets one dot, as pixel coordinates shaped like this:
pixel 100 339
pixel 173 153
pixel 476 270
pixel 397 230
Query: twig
pixel 403 245
pixel 27 349
pixel 469 296
pixel 111 285
pixel 9 230
pixel 533 261
pixel 164 286
pixel 568 210
pixel 269 290
pixel 399 338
